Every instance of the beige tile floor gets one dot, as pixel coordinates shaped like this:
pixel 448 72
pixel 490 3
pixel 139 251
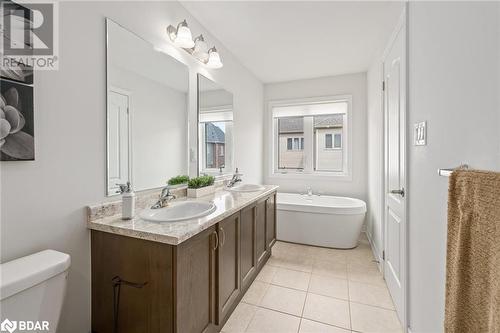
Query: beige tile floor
pixel 307 289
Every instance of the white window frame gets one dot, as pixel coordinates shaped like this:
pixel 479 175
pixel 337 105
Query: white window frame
pixel 308 173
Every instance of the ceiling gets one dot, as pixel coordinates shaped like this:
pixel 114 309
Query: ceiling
pixel 284 41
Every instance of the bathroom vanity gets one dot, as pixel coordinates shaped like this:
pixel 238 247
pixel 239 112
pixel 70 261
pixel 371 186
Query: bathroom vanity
pixel 183 275
pixel 186 276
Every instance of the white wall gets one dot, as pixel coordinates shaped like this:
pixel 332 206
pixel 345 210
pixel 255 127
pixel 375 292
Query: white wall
pixel 454 86
pixel 351 84
pixel 42 202
pixel 375 119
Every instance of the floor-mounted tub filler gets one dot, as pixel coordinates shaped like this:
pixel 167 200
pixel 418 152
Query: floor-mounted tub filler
pixel 320 220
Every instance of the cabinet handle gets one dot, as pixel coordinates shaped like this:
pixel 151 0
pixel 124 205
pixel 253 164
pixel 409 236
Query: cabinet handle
pixel 223 240
pixel 216 240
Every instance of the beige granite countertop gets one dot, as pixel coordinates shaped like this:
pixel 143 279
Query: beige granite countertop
pixel 174 233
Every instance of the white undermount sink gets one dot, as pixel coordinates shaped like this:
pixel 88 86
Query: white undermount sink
pixel 246 188
pixel 179 211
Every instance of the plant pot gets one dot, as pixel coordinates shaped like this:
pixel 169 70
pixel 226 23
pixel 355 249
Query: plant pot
pixel 200 192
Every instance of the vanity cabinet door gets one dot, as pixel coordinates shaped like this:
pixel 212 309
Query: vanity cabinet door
pixel 271 221
pixel 145 307
pixel 228 265
pixel 260 232
pixel 248 250
pixel 196 283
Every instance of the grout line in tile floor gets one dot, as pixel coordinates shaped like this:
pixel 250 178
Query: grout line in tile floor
pixel 310 273
pixel 349 300
pixel 251 319
pixel 341 299
pixel 315 293
pixel 289 314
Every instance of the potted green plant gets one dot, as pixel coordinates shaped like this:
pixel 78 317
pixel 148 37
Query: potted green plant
pixel 178 181
pixel 200 186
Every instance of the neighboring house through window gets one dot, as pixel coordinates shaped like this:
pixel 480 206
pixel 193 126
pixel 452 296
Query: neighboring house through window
pixel 309 136
pixel 291 143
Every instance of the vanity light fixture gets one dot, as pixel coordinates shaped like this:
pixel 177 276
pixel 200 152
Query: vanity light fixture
pixel 182 37
pixel 200 49
pixel 214 60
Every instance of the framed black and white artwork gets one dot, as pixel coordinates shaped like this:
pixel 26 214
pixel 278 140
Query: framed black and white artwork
pixel 17 72
pixel 16 122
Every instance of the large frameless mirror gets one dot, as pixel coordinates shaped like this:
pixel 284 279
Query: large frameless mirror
pixel 147 109
pixel 215 128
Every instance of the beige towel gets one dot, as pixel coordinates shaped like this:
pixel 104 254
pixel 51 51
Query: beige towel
pixel 473 253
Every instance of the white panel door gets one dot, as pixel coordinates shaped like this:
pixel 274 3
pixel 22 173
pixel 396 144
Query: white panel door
pixel 118 140
pixel 395 218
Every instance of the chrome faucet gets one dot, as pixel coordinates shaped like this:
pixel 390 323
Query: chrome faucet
pixel 309 191
pixel 165 198
pixel 236 178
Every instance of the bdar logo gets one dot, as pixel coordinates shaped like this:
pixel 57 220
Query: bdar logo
pixel 8 326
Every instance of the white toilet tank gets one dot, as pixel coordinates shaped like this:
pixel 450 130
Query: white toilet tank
pixel 32 290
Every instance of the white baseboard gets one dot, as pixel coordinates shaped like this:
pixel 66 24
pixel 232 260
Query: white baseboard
pixel 374 250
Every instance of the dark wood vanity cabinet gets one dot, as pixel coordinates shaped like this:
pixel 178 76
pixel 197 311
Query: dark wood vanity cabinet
pixel 260 232
pixel 228 265
pixel 195 286
pixel 192 287
pixel 146 306
pixel 270 221
pixel 248 250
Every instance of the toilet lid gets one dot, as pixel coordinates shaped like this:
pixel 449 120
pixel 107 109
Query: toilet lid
pixel 26 272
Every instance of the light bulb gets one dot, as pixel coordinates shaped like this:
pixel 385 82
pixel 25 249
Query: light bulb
pixel 184 38
pixel 214 60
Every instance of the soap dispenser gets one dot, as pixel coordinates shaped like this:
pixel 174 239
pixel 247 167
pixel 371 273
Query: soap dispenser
pixel 128 201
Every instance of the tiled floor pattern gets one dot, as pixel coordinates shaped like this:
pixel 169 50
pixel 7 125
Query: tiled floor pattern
pixel 306 289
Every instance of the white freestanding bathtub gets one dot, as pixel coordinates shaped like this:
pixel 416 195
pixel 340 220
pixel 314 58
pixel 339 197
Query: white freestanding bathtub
pixel 319 220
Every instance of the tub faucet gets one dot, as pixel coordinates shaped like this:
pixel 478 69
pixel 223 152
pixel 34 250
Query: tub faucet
pixel 236 178
pixel 165 198
pixel 309 191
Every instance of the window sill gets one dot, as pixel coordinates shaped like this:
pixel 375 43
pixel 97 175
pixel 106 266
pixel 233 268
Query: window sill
pixel 336 176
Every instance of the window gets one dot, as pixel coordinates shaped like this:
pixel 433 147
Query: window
pixel 337 143
pixel 328 141
pixel 308 137
pixel 290 131
pixel 210 161
pixel 295 144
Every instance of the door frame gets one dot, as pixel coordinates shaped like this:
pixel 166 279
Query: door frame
pixel 402 25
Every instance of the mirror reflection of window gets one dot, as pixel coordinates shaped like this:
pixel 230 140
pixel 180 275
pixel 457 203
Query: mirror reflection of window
pixel 215 141
pixel 215 116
